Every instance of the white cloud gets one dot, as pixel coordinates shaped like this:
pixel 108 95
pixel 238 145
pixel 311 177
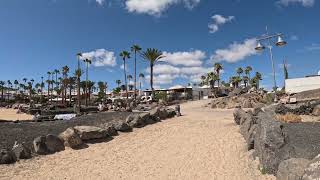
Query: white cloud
pixel 101 57
pixel 235 52
pixel 100 2
pixel 193 58
pixel 162 79
pixel 218 20
pixel 155 7
pixel 305 3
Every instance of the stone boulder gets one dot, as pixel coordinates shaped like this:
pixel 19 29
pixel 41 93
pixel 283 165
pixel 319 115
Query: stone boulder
pixel 238 114
pixel 54 143
pixel 71 138
pixel 147 118
pixel 163 114
pixel 48 144
pixel 21 151
pixel 312 170
pixel 122 126
pixel 111 131
pixel 171 112
pixel 292 169
pixel 155 113
pixel 90 132
pixel 316 110
pixel 135 121
pixel 269 141
pixel 7 157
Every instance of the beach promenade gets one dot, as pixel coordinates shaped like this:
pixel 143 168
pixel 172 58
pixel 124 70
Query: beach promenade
pixel 202 144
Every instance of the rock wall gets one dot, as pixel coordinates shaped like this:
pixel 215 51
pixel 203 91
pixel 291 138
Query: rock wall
pixel 274 141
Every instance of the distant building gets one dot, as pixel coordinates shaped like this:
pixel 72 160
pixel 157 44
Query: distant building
pixel 302 84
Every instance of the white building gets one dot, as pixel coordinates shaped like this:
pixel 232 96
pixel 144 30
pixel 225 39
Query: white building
pixel 302 84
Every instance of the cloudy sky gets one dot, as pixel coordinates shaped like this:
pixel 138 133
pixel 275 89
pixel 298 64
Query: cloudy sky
pixel 41 35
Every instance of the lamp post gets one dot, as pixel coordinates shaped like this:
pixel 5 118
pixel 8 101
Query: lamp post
pixel 260 47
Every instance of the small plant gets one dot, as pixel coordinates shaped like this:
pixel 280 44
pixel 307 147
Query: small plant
pixel 263 170
pixel 289 118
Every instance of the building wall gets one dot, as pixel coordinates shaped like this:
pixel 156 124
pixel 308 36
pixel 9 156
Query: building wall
pixel 302 84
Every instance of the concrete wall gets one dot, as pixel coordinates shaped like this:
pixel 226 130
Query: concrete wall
pixel 302 84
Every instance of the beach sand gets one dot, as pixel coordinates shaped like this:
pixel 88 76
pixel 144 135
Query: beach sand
pixel 11 114
pixel 202 144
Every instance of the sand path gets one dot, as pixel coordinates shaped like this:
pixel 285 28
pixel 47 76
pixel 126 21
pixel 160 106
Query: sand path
pixel 11 115
pixel 202 144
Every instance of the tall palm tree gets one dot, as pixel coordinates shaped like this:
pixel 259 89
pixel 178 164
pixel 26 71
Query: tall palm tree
pixel 217 68
pixel 65 71
pixel 247 71
pixel 118 82
pixel 16 85
pixel 152 55
pixel 258 77
pixel 71 83
pixel 129 77
pixel 125 55
pixel 49 82
pixel 56 72
pixel 2 83
pixel 9 83
pixel 87 62
pixel 212 78
pixel 136 49
pixel 78 75
pixel 141 77
pixel 239 71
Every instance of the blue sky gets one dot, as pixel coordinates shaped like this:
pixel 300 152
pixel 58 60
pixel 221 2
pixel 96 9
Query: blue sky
pixel 41 35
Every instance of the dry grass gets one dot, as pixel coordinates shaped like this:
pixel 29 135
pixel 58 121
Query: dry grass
pixel 289 118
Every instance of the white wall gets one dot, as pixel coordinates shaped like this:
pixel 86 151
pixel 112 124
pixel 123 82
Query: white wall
pixel 302 84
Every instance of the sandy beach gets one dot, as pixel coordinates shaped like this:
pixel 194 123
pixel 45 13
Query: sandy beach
pixel 202 144
pixel 11 114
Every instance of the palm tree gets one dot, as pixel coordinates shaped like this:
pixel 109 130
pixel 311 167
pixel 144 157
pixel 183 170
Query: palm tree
pixel 135 49
pixel 125 55
pixel 118 82
pixel 152 55
pixel 217 68
pixel 87 61
pixel 25 81
pixel 16 83
pixel 90 86
pixel 65 71
pixel 2 83
pixel 235 80
pixel 49 82
pixel 245 80
pixel 71 82
pixel 141 77
pixel 78 75
pixel 239 71
pixel 129 77
pixel 212 78
pixel 9 86
pixel 247 71
pixel 258 77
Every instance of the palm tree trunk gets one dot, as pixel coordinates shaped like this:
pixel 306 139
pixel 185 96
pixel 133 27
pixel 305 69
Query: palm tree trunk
pixel 135 75
pixel 70 95
pixel 125 77
pixel 78 85
pixel 151 79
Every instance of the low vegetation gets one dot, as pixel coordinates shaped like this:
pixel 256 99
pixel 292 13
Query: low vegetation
pixel 289 118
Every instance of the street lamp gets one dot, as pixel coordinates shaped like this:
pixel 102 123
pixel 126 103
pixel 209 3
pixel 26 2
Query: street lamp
pixel 260 47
